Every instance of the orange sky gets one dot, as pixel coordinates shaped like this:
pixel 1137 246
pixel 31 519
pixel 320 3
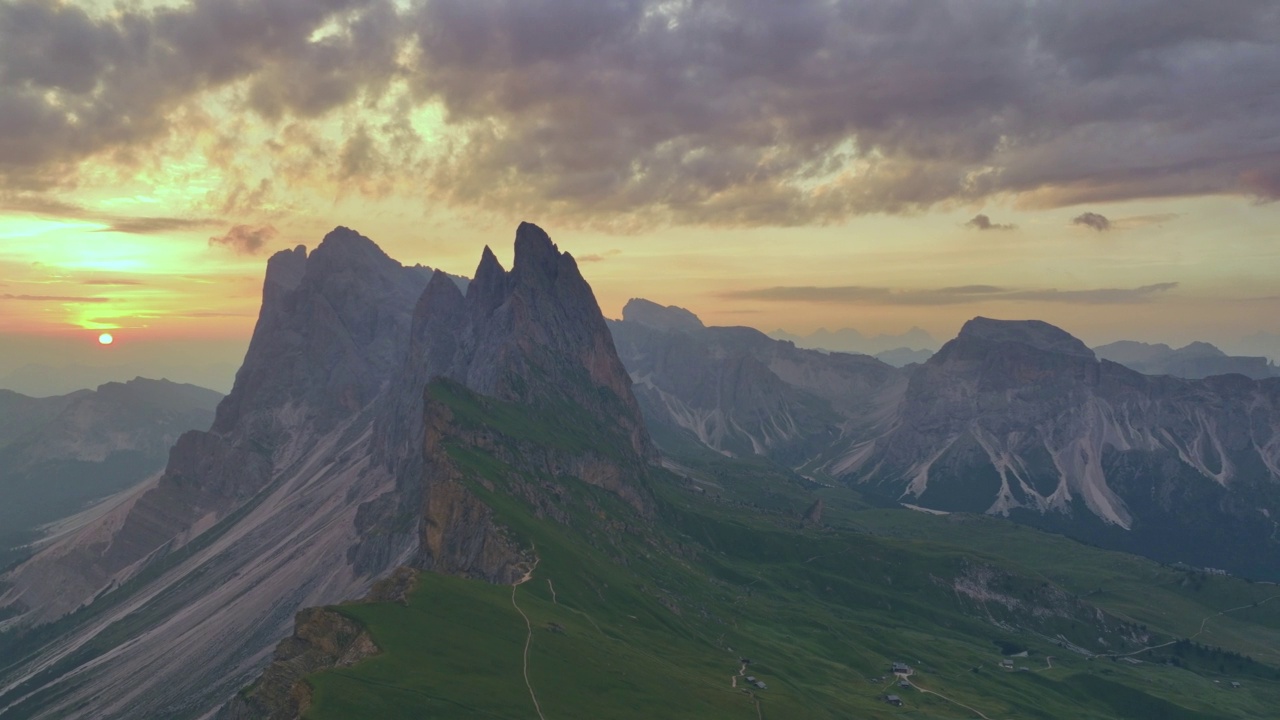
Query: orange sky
pixel 804 175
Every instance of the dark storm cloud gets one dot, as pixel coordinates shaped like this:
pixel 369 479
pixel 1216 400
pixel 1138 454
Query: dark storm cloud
pixel 1092 220
pixel 720 111
pixel 861 295
pixel 245 239
pixel 982 222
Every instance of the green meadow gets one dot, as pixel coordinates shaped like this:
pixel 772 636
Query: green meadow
pixel 635 617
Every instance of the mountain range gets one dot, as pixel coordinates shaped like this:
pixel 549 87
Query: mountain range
pixel 47 380
pixel 1194 361
pixel 432 497
pixel 1015 418
pixel 849 340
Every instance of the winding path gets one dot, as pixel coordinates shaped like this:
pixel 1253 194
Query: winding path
pixel 907 676
pixel 1198 632
pixel 528 639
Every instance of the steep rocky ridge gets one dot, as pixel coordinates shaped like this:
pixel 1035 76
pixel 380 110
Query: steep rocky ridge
pixel 534 336
pixel 740 392
pixel 205 566
pixel 518 372
pixel 320 474
pixel 1020 418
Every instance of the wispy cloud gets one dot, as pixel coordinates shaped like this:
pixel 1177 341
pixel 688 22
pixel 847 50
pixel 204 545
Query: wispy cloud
pixel 155 225
pixel 967 294
pixel 128 224
pixel 1093 221
pixel 55 298
pixel 245 239
pixel 599 257
pixel 982 222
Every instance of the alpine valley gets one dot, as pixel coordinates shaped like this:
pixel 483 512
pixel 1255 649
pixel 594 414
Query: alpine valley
pixel 427 496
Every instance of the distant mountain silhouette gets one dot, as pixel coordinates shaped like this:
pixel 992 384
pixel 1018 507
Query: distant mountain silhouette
pixel 1197 360
pixel 43 380
pixel 58 454
pixel 852 341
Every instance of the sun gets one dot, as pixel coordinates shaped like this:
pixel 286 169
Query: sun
pixel 105 339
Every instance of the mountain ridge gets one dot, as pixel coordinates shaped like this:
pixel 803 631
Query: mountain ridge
pixel 306 489
pixel 1015 418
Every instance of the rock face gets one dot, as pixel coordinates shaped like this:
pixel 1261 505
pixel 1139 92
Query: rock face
pixel 1020 419
pixel 533 336
pixel 529 345
pixel 1195 361
pixel 249 522
pixel 322 639
pixel 741 393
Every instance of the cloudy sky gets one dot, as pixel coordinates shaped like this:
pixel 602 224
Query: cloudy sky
pixel 1111 167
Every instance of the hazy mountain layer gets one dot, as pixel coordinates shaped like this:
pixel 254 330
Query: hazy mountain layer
pixel 1195 361
pixel 59 454
pixel 851 341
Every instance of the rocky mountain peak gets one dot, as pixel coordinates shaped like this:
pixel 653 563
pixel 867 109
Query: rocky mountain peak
pixel 285 270
pixel 660 317
pixel 1204 349
pixel 534 329
pixel 342 244
pixel 535 254
pixel 489 267
pixel 1032 333
pixel 332 327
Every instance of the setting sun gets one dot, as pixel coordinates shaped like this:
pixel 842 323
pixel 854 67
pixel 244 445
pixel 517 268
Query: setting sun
pixel 105 339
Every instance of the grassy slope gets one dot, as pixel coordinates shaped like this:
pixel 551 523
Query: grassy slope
pixel 650 621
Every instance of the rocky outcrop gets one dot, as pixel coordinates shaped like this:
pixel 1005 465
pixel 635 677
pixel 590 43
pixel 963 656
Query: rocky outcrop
pixel 323 639
pixel 459 533
pixel 813 516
